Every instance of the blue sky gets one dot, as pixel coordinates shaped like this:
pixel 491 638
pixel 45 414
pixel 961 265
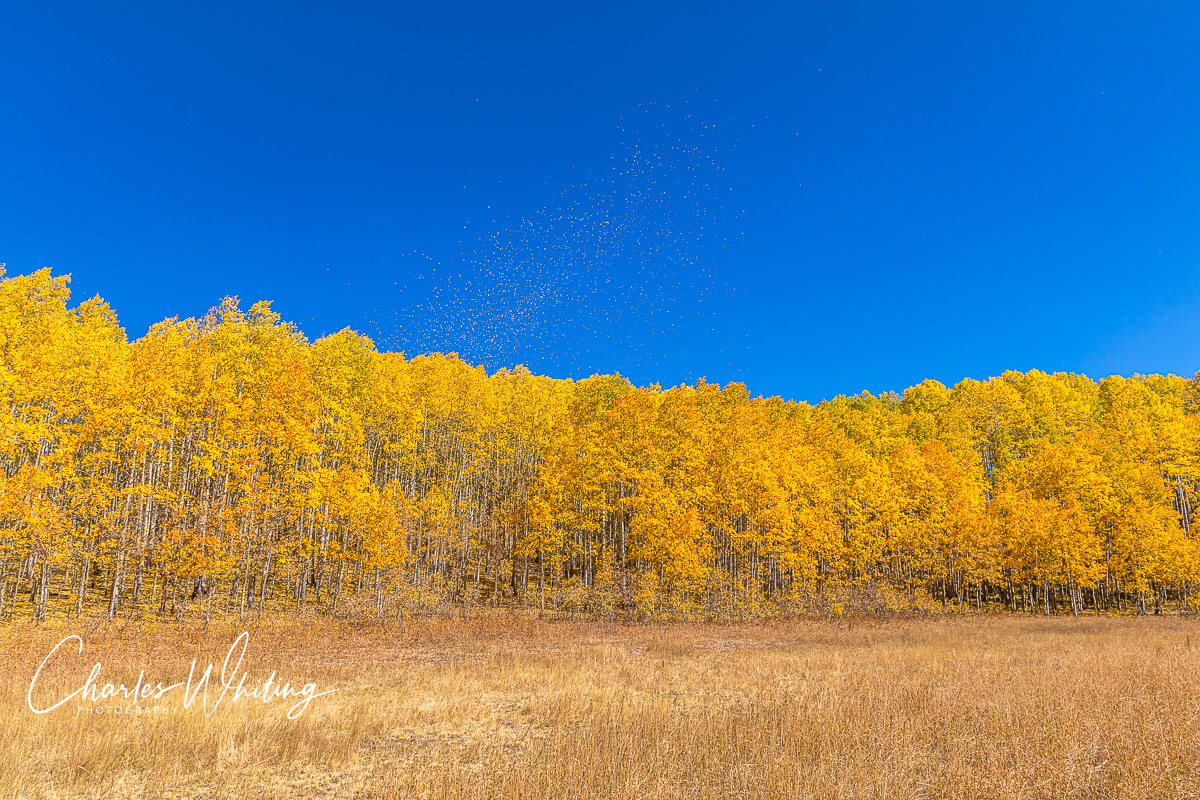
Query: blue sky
pixel 856 195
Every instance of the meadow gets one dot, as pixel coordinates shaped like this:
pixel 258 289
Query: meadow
pixel 512 705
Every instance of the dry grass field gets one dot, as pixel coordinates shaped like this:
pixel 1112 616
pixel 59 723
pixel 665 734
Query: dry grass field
pixel 517 707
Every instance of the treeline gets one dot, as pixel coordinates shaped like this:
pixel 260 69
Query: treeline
pixel 226 465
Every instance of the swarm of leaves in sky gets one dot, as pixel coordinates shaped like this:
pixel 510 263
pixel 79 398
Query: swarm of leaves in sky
pixel 612 264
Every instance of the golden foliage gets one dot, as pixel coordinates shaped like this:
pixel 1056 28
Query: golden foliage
pixel 226 464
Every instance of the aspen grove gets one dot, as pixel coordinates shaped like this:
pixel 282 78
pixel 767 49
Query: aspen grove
pixel 226 465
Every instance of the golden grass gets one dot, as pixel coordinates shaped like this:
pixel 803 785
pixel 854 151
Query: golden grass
pixel 510 706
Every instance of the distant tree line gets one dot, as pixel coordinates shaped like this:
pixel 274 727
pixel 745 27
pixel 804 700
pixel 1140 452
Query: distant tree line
pixel 227 465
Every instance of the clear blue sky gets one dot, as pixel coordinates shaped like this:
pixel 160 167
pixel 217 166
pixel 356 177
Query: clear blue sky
pixel 907 190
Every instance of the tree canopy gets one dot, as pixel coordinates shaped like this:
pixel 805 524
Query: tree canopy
pixel 226 463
